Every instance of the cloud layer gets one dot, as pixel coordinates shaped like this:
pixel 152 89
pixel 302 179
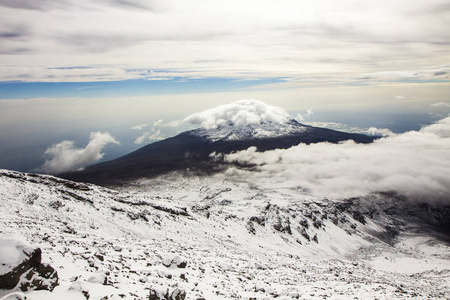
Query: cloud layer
pixel 325 41
pixel 415 164
pixel 64 157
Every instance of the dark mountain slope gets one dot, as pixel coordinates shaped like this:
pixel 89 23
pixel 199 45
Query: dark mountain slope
pixel 189 151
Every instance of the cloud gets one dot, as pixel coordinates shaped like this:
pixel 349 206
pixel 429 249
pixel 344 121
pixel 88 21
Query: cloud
pixel 136 4
pixel 415 164
pixel 299 117
pixel 158 123
pixel 139 127
pixel 149 136
pixel 441 104
pixel 405 97
pixel 23 4
pixel 255 39
pixel 239 113
pixel 64 157
pixel 380 131
pixel 336 126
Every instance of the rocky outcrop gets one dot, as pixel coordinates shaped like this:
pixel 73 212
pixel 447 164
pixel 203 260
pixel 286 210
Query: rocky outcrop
pixel 23 269
pixel 176 294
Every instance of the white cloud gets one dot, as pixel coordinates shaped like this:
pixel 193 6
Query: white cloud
pixel 149 136
pixel 336 126
pixel 415 164
pixel 158 123
pixel 64 157
pixel 380 131
pixel 405 97
pixel 441 104
pixel 239 113
pixel 139 127
pixel 299 117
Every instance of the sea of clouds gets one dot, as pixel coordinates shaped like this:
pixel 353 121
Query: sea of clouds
pixel 415 164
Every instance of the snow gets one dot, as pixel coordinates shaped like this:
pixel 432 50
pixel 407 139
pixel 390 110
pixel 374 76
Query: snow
pixel 123 244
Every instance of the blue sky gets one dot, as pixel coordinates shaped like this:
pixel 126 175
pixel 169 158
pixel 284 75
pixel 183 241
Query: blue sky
pixel 131 88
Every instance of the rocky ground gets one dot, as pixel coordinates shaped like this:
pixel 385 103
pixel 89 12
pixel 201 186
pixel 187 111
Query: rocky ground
pixel 215 238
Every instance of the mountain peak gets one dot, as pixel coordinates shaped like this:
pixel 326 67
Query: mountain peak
pixel 244 119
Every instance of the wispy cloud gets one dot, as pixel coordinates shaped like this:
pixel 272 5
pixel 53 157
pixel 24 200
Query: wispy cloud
pixel 336 126
pixel 441 104
pixel 405 97
pixel 139 127
pixel 65 157
pixel 149 136
pixel 302 117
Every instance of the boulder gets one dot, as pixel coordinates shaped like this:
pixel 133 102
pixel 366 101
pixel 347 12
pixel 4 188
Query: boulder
pixel 21 267
pixel 174 261
pixel 164 294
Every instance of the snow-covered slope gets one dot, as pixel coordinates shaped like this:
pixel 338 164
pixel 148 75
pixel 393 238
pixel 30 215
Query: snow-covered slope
pixel 221 238
pixel 260 130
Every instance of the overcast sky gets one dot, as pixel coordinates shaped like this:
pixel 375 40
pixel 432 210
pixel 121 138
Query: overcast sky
pixel 339 41
pixel 72 67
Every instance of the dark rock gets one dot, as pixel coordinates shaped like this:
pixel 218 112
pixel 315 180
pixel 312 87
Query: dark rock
pixel 99 256
pixel 56 204
pixel 260 220
pixel 318 223
pixel 315 239
pixel 182 265
pixel 176 294
pixel 174 260
pixel 304 223
pixel 358 216
pixel 250 227
pixel 30 274
pixel 133 216
pixel 303 232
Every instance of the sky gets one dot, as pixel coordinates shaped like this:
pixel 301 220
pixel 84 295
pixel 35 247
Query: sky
pixel 72 70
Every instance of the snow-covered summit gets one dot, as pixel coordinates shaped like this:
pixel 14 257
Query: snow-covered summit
pixel 244 119
pixel 260 130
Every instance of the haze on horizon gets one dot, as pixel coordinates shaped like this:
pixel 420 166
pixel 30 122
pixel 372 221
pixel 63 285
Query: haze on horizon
pixel 71 68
